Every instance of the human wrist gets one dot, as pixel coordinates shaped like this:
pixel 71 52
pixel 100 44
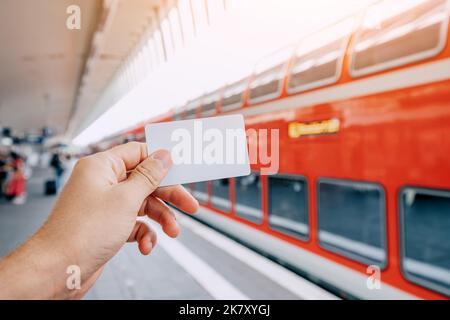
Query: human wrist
pixel 37 270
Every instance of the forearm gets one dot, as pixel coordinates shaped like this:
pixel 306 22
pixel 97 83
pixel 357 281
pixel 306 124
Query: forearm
pixel 95 215
pixel 36 270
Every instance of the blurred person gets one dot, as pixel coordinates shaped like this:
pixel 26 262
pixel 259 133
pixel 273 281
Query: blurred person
pixel 16 184
pixel 95 215
pixel 3 173
pixel 58 167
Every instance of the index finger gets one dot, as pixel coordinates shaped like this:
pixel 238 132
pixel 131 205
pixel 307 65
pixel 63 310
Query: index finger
pixel 179 197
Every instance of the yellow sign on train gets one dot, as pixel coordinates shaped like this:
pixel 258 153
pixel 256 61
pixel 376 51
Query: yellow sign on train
pixel 298 129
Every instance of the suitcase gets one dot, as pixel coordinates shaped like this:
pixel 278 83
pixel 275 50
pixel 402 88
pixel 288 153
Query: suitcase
pixel 50 187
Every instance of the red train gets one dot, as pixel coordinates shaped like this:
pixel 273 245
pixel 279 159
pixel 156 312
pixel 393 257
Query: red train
pixel 363 109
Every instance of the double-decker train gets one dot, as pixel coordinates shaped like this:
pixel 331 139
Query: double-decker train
pixel 363 188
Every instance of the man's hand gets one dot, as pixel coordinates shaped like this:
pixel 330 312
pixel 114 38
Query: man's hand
pixel 95 215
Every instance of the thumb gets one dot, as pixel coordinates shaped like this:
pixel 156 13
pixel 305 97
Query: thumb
pixel 147 176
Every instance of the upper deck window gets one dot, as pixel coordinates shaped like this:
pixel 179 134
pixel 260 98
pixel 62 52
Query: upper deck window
pixel 267 75
pixel 178 114
pixel 209 105
pixel 318 58
pixel 395 33
pixel 191 110
pixel 232 96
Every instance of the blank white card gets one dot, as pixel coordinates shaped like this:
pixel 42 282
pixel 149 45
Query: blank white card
pixel 202 149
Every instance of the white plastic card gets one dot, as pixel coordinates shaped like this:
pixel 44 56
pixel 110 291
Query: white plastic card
pixel 202 149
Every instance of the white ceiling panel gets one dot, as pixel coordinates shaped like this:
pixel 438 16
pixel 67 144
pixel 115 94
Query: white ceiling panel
pixel 41 61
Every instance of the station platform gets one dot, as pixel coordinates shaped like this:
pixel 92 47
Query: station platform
pixel 200 264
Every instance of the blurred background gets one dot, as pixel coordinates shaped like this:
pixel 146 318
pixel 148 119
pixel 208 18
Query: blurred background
pixel 358 89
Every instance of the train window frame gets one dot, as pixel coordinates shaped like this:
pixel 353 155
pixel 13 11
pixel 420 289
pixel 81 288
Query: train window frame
pixel 235 211
pixel 207 200
pixel 353 21
pixel 190 110
pixel 406 274
pixel 213 97
pixel 178 113
pixel 214 205
pixel 400 62
pixel 383 214
pixel 237 105
pixel 294 177
pixel 261 68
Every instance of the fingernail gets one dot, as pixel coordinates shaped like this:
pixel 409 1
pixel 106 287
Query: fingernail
pixel 150 246
pixel 164 157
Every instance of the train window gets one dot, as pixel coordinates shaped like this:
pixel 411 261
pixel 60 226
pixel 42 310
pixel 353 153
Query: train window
pixel 425 221
pixel 187 24
pixel 209 105
pixel 220 194
pixel 189 188
pixel 318 58
pixel 395 33
pixel 201 192
pixel 191 110
pixel 189 114
pixel 178 114
pixel 248 197
pixel 232 96
pixel 267 75
pixel 351 217
pixel 288 205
